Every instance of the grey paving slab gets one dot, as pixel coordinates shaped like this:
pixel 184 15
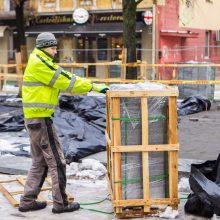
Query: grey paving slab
pixel 20 165
pixel 14 165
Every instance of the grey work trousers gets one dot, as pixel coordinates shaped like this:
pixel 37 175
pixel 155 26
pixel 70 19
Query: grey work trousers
pixel 46 156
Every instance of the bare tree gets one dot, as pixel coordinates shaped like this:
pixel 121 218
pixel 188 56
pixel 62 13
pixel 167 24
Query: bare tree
pixel 129 34
pixel 19 13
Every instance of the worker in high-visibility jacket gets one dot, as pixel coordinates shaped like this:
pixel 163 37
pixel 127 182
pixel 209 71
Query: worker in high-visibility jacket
pixel 43 80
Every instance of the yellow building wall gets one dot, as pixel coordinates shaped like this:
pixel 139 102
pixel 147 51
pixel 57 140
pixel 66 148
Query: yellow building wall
pixel 69 5
pixel 48 5
pixel 4 44
pixel 1 5
pixel 33 5
pixel 66 5
pixel 202 15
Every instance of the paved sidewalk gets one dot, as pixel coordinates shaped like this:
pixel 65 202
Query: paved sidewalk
pixel 84 191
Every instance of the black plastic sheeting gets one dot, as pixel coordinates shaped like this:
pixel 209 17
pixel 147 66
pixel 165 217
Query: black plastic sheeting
pixel 80 123
pixel 82 126
pixel 193 104
pixel 205 183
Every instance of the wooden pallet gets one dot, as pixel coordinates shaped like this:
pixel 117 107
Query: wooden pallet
pixel 21 182
pixel 140 207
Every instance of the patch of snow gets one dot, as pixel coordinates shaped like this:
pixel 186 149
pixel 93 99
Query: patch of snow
pixel 14 141
pixel 26 148
pixel 13 100
pixel 88 169
pixel 90 174
pixel 6 145
pixel 184 165
pixel 146 86
pixel 10 88
pixel 183 185
pixel 168 213
pixel 92 164
pixel 7 155
pixel 92 93
pixel 215 217
pixel 72 169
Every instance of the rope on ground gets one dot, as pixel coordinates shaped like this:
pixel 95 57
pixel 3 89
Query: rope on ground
pixel 94 203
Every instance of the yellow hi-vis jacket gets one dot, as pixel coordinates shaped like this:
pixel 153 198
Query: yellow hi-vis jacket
pixel 43 79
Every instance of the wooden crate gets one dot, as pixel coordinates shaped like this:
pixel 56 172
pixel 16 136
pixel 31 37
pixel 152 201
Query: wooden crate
pixel 139 207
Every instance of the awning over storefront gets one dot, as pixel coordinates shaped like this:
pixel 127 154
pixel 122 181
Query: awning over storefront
pixel 105 28
pixel 98 28
pixel 175 33
pixel 2 30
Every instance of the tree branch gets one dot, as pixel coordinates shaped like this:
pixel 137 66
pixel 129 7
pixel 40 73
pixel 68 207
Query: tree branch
pixel 18 2
pixel 138 1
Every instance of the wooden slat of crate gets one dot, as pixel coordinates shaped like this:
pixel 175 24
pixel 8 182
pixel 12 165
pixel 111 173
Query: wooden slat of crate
pixel 140 148
pixel 145 156
pixel 132 212
pixel 173 155
pixel 170 92
pixel 116 156
pixel 107 132
pixel 148 202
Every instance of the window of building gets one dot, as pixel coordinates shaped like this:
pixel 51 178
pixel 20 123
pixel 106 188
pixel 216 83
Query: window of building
pixel 207 39
pixel 11 5
pixel 116 46
pixel 102 45
pixel 80 48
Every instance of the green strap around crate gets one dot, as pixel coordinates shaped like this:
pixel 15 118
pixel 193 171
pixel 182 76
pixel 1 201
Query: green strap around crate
pixel 136 180
pixel 151 118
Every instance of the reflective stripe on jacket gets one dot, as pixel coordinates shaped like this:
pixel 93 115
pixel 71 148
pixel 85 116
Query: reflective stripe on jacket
pixel 42 82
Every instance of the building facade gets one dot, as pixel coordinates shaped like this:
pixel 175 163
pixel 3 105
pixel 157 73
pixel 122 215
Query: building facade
pixel 178 43
pixel 91 31
pixel 7 25
pixel 88 31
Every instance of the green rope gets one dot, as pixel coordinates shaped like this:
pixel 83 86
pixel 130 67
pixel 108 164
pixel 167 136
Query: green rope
pixel 150 118
pixel 137 180
pixel 97 210
pixel 127 119
pixel 158 177
pixel 185 197
pixel 93 203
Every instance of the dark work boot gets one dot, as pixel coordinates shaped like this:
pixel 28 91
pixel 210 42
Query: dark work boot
pixel 37 205
pixel 70 208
